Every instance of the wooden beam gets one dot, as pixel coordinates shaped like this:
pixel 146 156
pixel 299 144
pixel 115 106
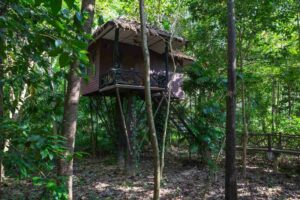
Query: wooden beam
pixel 167 62
pixel 123 121
pixel 124 86
pixel 159 104
pixel 127 37
pixel 154 43
pixel 116 55
pixel 101 35
pixel 291 152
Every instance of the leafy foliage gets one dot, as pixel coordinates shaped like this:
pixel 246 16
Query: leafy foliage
pixel 39 39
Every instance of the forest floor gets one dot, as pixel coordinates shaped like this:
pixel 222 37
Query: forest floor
pixel 101 179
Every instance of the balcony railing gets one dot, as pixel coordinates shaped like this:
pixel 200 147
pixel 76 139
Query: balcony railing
pixel 131 77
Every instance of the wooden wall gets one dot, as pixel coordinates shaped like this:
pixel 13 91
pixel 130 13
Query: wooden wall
pixel 92 84
pixel 131 57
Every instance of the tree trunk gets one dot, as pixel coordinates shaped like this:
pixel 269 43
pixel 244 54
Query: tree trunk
pixel 163 147
pixel 277 107
pixel 93 137
pixel 230 171
pixel 244 118
pixel 71 105
pixel 273 106
pixel 3 9
pixel 289 100
pixel 69 124
pixel 245 129
pixel 130 155
pixel 1 117
pixel 121 141
pixel 150 118
pixel 14 115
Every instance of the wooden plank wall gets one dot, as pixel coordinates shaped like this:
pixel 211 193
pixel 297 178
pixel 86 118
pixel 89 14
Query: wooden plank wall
pixel 92 84
pixel 131 57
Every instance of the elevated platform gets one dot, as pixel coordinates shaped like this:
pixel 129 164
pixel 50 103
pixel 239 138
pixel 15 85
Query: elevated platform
pixel 110 90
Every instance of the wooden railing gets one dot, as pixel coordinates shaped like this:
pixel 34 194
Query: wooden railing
pixel 272 141
pixel 130 77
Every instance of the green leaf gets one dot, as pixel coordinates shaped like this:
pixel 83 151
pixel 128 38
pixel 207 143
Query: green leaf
pixel 55 6
pixel 44 153
pixel 51 184
pixel 64 60
pixel 51 156
pixel 166 24
pixel 84 58
pixel 100 20
pixel 79 45
pixel 70 3
pixel 37 181
pixel 55 52
pixel 38 2
pixel 59 25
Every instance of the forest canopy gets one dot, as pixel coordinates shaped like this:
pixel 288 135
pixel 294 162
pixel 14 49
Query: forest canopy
pixel 45 47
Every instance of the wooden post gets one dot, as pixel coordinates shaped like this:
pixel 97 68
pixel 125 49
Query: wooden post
pixel 130 156
pixel 121 143
pixel 93 134
pixel 123 120
pixel 116 55
pixel 167 62
pixel 280 141
pixel 277 154
pixel 269 142
pixel 273 105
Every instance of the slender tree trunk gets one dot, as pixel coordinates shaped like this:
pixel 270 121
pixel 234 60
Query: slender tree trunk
pixel 121 141
pixel 71 105
pixel 298 26
pixel 244 118
pixel 69 124
pixel 14 116
pixel 277 107
pixel 1 117
pixel 289 100
pixel 93 137
pixel 245 127
pixel 130 155
pixel 230 171
pixel 150 117
pixel 164 136
pixel 3 9
pixel 273 106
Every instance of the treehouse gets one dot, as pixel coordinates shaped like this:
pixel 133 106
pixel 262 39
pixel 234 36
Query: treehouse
pixel 117 57
pixel 115 85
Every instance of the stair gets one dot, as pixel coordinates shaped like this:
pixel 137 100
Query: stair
pixel 179 120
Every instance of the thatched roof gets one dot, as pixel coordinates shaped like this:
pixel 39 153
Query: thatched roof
pixel 129 33
pixel 179 54
pixel 135 26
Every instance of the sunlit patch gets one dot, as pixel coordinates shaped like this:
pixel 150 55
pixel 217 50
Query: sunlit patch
pixel 101 186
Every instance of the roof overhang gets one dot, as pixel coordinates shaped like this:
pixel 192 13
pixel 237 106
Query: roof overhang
pixel 129 33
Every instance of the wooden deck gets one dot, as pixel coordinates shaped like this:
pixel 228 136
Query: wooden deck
pixel 138 90
pixel 130 87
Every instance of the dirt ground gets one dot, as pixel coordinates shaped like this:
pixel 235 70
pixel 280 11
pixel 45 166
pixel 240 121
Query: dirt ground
pixel 101 179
